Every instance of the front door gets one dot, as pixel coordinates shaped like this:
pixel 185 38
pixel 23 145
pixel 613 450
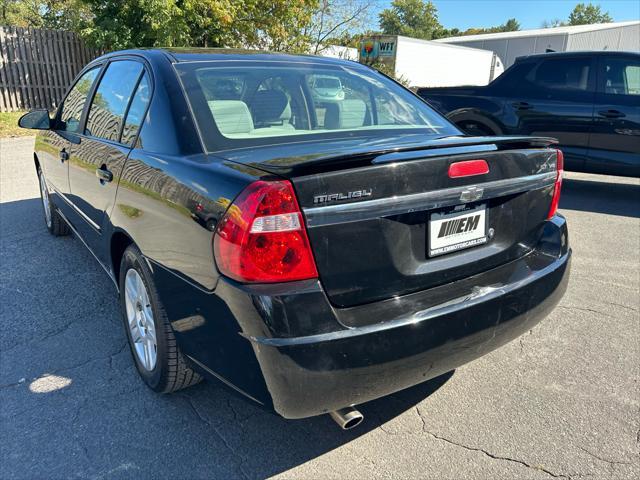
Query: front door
pixel 53 147
pixel 99 155
pixel 615 140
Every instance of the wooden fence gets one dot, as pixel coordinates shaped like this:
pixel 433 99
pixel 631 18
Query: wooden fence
pixel 37 66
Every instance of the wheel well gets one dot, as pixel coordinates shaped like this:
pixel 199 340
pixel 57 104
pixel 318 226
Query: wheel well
pixel 479 125
pixel 482 120
pixel 119 243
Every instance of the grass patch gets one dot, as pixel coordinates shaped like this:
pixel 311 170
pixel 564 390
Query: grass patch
pixel 9 125
pixel 129 211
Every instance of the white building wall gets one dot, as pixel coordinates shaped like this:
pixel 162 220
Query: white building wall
pixel 630 38
pixel 509 46
pixel 500 47
pixel 557 43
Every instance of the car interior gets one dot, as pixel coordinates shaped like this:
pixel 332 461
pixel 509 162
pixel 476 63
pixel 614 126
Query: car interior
pixel 261 104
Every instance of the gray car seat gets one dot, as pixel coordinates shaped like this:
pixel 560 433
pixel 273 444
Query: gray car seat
pixel 271 108
pixel 345 114
pixel 231 116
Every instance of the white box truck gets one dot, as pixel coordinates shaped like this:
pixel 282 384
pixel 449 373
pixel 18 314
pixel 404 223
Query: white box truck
pixel 422 63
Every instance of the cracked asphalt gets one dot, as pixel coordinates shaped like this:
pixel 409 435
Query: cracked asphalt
pixel 562 401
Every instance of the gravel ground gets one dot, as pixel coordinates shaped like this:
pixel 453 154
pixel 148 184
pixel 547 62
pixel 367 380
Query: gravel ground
pixel 562 401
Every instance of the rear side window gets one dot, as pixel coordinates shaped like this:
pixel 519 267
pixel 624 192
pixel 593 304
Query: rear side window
pixel 621 76
pixel 562 74
pixel 111 99
pixel 71 109
pixel 136 111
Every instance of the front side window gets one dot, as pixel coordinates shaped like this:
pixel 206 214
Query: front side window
pixel 513 79
pixel 621 76
pixel 562 74
pixel 71 109
pixel 250 103
pixel 111 99
pixel 136 111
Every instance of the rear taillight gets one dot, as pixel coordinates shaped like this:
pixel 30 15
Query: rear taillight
pixel 558 185
pixel 262 238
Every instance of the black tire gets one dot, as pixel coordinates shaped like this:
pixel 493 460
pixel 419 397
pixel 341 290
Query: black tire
pixel 56 225
pixel 471 127
pixel 171 371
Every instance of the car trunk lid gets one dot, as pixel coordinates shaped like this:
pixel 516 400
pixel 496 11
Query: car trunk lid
pixel 369 214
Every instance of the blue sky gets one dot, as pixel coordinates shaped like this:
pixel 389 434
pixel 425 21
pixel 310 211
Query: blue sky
pixel 530 13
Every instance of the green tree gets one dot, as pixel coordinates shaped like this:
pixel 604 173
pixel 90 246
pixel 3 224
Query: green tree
pixel 556 22
pixel 73 15
pixel 585 14
pixel 270 24
pixel 333 21
pixel 511 25
pixel 411 18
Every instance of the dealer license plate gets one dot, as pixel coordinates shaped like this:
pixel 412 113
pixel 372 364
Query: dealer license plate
pixel 452 231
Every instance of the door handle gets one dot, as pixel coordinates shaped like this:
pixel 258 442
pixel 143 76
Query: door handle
pixel 522 106
pixel 104 175
pixel 64 155
pixel 611 114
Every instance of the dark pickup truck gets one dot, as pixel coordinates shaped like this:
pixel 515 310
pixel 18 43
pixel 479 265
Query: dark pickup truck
pixel 589 101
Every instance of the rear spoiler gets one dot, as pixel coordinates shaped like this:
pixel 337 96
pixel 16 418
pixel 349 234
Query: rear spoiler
pixel 435 147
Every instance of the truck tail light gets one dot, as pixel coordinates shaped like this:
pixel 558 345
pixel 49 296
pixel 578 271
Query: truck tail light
pixel 558 185
pixel 262 237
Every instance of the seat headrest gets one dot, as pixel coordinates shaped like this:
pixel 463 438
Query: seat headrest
pixel 270 107
pixel 231 116
pixel 345 114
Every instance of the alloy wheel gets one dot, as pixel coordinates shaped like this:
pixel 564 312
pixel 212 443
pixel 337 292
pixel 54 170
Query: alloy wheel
pixel 140 320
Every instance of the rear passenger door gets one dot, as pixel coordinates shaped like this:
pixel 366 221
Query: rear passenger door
pixel 103 147
pixel 556 99
pixel 615 139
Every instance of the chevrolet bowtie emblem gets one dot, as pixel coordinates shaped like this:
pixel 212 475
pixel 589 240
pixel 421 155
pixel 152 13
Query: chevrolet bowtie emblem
pixel 472 194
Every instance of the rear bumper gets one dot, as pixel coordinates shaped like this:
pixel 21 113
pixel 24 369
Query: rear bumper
pixel 288 348
pixel 314 374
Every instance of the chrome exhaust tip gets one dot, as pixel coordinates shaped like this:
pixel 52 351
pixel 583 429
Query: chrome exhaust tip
pixel 347 418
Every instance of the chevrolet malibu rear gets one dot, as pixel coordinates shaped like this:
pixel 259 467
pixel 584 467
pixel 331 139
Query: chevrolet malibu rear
pixel 317 253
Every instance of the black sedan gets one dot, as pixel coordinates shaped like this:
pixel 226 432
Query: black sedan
pixel 589 101
pixel 311 254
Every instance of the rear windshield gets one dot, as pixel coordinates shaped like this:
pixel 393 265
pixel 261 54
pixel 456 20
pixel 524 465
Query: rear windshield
pixel 243 103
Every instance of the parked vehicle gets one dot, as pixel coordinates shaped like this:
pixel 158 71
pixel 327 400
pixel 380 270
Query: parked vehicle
pixel 589 101
pixel 326 89
pixel 351 256
pixel 422 63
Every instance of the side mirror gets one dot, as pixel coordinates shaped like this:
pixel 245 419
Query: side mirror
pixel 35 120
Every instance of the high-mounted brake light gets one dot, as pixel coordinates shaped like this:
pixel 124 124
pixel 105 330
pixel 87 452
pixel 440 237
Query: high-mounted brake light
pixel 262 238
pixel 558 184
pixel 468 168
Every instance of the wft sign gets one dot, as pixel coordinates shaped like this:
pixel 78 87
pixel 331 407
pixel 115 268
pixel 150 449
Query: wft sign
pixel 378 49
pixel 386 49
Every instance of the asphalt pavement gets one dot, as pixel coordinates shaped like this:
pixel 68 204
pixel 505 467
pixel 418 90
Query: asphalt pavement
pixel 561 401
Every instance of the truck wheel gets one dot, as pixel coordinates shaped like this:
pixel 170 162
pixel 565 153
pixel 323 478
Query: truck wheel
pixel 53 220
pixel 471 127
pixel 153 344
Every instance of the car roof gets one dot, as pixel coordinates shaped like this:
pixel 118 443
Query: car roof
pixel 180 55
pixel 581 53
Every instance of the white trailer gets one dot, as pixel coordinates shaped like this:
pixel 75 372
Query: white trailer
pixel 337 51
pixel 424 63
